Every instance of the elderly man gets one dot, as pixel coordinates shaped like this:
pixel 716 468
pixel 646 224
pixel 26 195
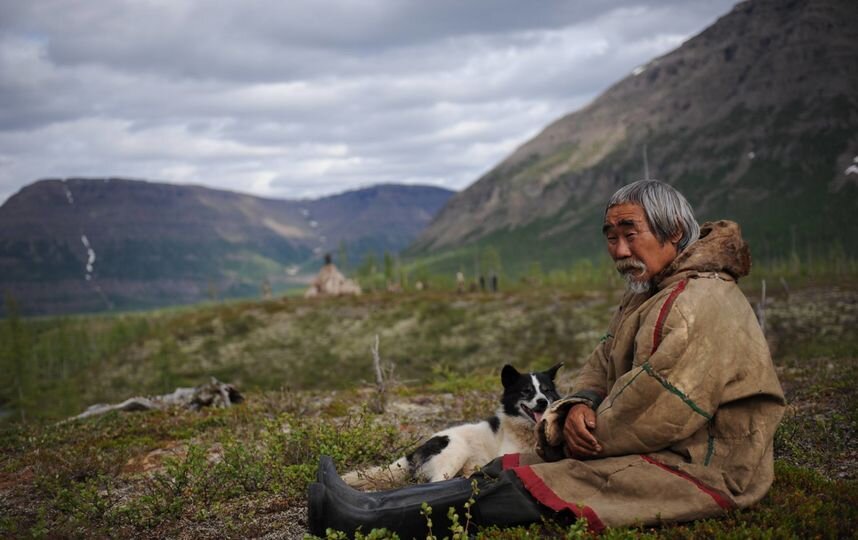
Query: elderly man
pixel 671 418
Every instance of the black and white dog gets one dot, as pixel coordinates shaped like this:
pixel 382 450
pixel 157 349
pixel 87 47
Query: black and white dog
pixel 463 449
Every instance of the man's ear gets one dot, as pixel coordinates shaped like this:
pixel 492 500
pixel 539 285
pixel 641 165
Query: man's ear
pixel 677 236
pixel 509 375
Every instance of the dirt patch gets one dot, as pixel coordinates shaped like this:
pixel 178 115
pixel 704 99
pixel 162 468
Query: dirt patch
pixel 154 460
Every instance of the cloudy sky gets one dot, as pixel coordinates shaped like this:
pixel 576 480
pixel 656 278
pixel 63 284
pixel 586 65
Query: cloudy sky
pixel 304 98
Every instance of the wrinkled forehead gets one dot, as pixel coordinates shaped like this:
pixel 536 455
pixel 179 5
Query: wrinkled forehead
pixel 625 215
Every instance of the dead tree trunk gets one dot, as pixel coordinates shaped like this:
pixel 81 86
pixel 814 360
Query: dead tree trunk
pixel 379 403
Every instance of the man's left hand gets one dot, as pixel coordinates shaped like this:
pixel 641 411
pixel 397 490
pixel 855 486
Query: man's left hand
pixel 580 442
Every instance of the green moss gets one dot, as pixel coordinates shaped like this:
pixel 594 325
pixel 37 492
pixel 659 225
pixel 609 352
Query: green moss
pixel 261 455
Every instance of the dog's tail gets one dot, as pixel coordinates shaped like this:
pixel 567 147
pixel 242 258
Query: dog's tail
pixel 381 477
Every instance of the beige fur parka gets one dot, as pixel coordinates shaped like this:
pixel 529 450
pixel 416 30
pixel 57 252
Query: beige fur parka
pixel 686 398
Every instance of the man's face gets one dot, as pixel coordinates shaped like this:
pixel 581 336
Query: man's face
pixel 634 248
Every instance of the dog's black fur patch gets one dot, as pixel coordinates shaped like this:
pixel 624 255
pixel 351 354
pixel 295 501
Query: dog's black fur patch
pixel 494 423
pixel 430 448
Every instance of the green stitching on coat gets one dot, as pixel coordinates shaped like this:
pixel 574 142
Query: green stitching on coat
pixel 622 390
pixel 710 449
pixel 674 390
pixel 606 337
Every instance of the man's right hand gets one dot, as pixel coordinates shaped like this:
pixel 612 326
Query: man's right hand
pixel 580 442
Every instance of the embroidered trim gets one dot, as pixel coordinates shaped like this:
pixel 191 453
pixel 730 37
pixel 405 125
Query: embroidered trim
pixel 674 390
pixel 662 315
pixel 719 498
pixel 510 461
pixel 606 337
pixel 618 394
pixel 545 495
pixel 657 335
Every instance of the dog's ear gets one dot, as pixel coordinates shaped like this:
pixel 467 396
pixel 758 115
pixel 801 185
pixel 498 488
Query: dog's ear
pixel 509 375
pixel 552 371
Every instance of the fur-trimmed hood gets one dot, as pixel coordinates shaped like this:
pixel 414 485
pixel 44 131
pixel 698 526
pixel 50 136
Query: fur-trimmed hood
pixel 720 248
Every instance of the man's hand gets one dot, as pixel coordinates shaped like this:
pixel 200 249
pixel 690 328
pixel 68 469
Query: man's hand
pixel 580 443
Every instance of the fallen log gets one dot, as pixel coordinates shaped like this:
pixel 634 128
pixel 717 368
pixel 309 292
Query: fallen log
pixel 212 394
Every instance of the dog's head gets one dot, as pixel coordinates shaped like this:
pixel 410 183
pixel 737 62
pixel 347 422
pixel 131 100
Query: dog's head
pixel 528 395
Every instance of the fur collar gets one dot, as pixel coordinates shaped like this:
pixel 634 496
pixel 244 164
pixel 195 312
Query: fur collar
pixel 720 249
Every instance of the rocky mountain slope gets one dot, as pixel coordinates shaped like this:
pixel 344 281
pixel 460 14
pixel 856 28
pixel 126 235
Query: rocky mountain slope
pixel 754 119
pixel 93 244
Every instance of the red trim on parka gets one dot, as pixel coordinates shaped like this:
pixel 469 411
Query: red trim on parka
pixel 510 461
pixel 662 315
pixel 718 497
pixel 547 497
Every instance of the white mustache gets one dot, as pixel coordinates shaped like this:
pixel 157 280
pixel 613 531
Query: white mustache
pixel 628 264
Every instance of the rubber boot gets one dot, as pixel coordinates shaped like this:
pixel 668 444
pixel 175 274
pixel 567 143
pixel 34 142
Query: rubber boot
pixel 501 501
pixel 327 475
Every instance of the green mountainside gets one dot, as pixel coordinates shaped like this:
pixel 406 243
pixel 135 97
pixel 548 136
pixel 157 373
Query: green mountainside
pixel 755 119
pixel 99 244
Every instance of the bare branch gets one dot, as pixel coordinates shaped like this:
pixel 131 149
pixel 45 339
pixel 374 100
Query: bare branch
pixel 380 393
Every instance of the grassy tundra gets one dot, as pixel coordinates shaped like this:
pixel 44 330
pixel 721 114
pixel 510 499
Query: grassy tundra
pixel 306 371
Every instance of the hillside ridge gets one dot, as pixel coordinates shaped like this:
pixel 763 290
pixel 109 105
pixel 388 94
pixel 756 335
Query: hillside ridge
pixel 758 108
pixel 85 244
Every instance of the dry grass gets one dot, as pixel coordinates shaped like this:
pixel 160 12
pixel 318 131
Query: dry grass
pixel 242 472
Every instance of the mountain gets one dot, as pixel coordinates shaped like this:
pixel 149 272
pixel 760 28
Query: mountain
pixel 92 244
pixel 755 119
pixel 375 219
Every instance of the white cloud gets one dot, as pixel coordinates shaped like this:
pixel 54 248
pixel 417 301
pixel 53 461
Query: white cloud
pixel 293 99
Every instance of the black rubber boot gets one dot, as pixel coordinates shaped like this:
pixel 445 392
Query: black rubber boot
pixel 500 501
pixel 327 475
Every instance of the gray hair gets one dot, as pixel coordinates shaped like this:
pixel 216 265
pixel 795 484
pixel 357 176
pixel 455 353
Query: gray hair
pixel 667 211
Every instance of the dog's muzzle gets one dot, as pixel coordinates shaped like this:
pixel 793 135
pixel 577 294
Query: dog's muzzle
pixel 534 414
